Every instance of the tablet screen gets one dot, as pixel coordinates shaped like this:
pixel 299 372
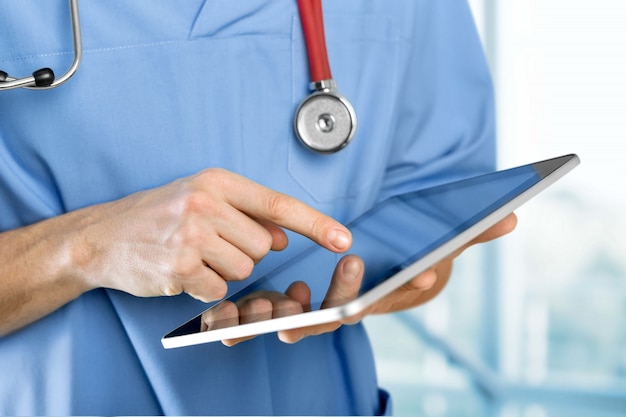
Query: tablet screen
pixel 400 231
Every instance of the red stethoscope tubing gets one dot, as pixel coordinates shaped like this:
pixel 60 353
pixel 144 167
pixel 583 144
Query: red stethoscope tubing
pixel 312 20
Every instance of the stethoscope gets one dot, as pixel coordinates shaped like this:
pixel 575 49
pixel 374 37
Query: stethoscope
pixel 325 121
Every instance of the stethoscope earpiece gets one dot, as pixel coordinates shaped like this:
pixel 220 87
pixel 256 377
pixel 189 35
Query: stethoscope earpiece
pixel 44 77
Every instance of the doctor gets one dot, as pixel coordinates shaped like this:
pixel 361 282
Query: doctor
pixel 168 167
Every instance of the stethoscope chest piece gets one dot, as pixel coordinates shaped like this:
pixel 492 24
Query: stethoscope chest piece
pixel 325 121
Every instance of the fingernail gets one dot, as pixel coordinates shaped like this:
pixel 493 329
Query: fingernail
pixel 351 269
pixel 339 239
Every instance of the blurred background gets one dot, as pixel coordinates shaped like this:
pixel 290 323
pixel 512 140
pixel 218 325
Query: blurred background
pixel 534 325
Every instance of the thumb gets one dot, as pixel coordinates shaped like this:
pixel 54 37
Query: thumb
pixel 344 287
pixel 346 282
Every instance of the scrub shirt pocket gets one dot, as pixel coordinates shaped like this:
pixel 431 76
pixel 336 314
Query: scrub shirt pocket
pixel 271 59
pixel 363 52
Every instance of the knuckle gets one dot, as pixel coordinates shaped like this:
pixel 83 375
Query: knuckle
pixel 317 226
pixel 259 304
pixel 214 179
pixel 185 236
pixel 256 309
pixel 243 269
pixel 287 307
pixel 278 206
pixel 262 246
pixel 171 289
pixel 344 294
pixel 207 291
pixel 201 194
pixel 184 266
pixel 213 175
pixel 220 289
pixel 195 201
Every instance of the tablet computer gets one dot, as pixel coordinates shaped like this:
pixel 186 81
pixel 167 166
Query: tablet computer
pixel 397 240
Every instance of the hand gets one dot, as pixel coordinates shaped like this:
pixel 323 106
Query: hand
pixel 265 305
pixel 429 284
pixel 421 289
pixel 344 287
pixel 194 235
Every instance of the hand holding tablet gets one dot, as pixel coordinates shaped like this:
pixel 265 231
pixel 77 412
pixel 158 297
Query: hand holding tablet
pixel 398 240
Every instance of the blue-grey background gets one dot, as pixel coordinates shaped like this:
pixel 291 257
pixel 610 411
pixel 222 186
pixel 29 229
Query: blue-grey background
pixel 535 324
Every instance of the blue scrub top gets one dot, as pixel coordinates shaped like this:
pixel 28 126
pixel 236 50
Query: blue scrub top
pixel 169 88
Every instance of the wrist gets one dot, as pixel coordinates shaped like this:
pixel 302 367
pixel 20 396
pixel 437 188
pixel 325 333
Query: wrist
pixel 72 255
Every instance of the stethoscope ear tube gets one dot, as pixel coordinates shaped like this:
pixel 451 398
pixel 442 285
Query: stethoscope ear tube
pixel 44 78
pixel 325 121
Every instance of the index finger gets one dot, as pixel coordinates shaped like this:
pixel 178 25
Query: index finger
pixel 263 203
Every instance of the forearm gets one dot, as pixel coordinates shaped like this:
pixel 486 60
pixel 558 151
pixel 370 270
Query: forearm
pixel 36 272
